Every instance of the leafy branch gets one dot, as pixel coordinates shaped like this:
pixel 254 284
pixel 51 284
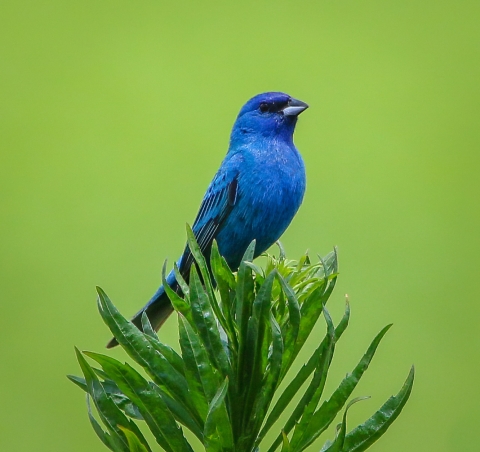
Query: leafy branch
pixel 239 335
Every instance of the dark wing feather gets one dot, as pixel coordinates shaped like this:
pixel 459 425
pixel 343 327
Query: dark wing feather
pixel 217 204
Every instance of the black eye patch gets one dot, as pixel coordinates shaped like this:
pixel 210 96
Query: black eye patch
pixel 264 107
pixel 272 107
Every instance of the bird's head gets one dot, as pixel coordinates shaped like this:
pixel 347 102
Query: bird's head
pixel 268 114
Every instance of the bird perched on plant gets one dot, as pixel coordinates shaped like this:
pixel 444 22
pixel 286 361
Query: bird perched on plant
pixel 254 195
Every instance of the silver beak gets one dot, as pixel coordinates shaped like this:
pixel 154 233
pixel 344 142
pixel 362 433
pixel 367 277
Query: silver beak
pixel 294 107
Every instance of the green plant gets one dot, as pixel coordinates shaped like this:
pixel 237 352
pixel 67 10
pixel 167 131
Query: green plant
pixel 237 344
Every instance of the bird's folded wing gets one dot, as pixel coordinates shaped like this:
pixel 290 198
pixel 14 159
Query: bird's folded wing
pixel 217 204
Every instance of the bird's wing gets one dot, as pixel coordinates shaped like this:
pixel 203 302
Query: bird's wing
pixel 217 204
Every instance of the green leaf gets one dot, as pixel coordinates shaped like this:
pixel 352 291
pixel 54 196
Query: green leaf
pixel 206 324
pixel 222 273
pixel 180 414
pixel 253 369
pixel 147 327
pixel 271 378
pixel 202 378
pixel 181 282
pixel 330 263
pixel 249 252
pixel 245 296
pixel 168 353
pixel 342 326
pixel 226 286
pixel 110 387
pixel 79 381
pixel 308 403
pixel 366 434
pixel 104 436
pixel 110 414
pixel 218 429
pixel 310 312
pixel 134 443
pixel 259 273
pixel 329 409
pixel 143 349
pixel 299 379
pixel 179 304
pixel 282 256
pixel 221 267
pixel 237 345
pixel 290 330
pixel 285 443
pixel 131 410
pixel 149 401
pixel 197 254
pixel 302 272
pixel 338 444
pixel 280 308
pixel 165 350
pixel 205 273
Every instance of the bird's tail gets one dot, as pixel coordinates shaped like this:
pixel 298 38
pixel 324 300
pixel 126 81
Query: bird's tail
pixel 158 309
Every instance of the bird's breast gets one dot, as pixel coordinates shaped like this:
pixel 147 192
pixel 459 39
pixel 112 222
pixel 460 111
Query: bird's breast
pixel 270 191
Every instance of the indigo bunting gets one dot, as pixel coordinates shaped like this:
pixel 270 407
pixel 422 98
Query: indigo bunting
pixel 254 195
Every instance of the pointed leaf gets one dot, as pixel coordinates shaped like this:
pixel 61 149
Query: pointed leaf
pixel 205 273
pixel 104 436
pixel 222 273
pixel 330 262
pixel 147 326
pixel 218 433
pixel 202 378
pixel 110 387
pixel 281 256
pixel 110 414
pixel 226 286
pixel 299 379
pixel 249 252
pixel 329 409
pixel 181 282
pixel 271 379
pixel 308 403
pixel 290 330
pixel 168 353
pixel 338 444
pixel 310 312
pixel 285 443
pixel 139 347
pixel 79 381
pixel 154 410
pixel 180 304
pixel 245 296
pixel 259 273
pixel 366 434
pixel 205 322
pixel 134 443
pixel 253 366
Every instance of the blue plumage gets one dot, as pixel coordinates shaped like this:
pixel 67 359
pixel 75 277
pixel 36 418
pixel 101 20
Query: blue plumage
pixel 254 195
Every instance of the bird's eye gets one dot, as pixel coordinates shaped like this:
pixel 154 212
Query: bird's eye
pixel 263 107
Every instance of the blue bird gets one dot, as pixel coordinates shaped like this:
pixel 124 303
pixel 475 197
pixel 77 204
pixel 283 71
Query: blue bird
pixel 254 195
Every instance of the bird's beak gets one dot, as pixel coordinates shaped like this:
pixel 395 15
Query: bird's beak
pixel 294 107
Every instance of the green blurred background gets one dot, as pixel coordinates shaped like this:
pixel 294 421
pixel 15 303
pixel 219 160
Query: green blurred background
pixel 114 117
